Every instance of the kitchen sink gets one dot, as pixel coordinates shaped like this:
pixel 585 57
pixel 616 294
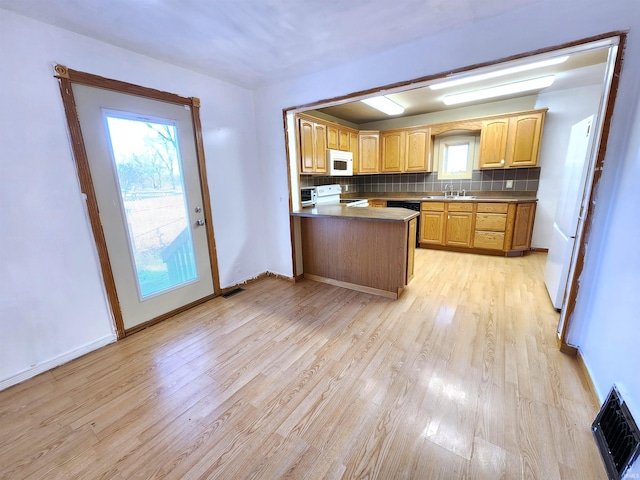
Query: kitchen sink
pixel 450 197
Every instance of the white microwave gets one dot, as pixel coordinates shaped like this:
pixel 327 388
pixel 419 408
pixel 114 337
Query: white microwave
pixel 340 163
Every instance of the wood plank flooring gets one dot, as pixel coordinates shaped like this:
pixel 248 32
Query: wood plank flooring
pixel 459 378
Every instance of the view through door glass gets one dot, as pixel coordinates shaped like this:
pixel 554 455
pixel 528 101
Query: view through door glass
pixel 150 179
pixel 144 167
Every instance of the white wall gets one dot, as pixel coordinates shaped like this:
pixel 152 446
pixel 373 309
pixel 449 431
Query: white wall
pixel 545 24
pixel 566 108
pixel 52 301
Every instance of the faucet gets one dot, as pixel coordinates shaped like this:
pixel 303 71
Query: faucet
pixel 446 189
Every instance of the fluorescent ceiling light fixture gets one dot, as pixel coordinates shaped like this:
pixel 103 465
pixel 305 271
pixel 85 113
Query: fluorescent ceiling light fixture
pixel 499 73
pixel 499 91
pixel 384 105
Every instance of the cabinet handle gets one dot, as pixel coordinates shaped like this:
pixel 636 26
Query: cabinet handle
pixel 502 162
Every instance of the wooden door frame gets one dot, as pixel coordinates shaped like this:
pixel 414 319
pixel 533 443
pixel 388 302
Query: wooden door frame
pixel 607 114
pixel 67 77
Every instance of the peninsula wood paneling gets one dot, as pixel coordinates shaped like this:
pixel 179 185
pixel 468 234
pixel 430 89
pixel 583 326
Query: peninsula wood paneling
pixel 368 253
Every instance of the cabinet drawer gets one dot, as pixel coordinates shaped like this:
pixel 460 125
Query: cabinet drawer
pixel 493 207
pixel 432 206
pixel 489 240
pixel 496 222
pixel 377 203
pixel 460 207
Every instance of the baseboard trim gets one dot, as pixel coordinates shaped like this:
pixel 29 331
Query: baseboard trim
pixel 353 286
pixel 587 377
pixel 56 361
pixel 537 249
pixel 257 278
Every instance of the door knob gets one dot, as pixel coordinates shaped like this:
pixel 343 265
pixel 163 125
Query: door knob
pixel 200 222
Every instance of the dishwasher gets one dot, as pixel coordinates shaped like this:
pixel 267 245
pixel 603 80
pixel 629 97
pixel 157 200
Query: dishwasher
pixel 411 205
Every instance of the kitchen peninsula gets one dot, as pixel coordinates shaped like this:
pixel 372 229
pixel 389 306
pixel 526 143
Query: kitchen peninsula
pixel 367 249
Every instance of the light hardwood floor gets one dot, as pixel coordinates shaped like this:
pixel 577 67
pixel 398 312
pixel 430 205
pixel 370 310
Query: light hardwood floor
pixel 460 378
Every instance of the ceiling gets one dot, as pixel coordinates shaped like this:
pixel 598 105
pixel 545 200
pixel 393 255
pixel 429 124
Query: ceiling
pixel 257 42
pixel 581 69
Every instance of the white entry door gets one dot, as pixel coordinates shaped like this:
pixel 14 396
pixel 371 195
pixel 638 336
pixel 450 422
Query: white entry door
pixel 143 163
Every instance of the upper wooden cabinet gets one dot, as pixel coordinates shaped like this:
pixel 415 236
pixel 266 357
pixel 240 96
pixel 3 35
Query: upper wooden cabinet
pixel 506 141
pixel 338 137
pixel 369 148
pixel 418 150
pixel 405 150
pixel 313 146
pixel 354 149
pixel 511 141
pixel 526 131
pixel 393 151
pixel 493 143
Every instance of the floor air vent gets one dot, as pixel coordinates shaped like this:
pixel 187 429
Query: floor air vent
pixel 616 434
pixel 231 293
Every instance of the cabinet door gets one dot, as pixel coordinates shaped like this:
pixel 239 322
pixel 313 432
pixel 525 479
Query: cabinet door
pixel 493 143
pixel 369 153
pixel 459 228
pixel 320 132
pixel 377 203
pixel 524 140
pixel 343 140
pixel 432 227
pixel 393 151
pixel 332 137
pixel 523 226
pixel 353 148
pixel 418 150
pixel 411 249
pixel 307 145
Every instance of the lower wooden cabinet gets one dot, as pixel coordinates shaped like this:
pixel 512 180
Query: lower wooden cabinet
pixel 503 228
pixel 459 224
pixel 491 225
pixel 523 226
pixel 376 202
pixel 432 217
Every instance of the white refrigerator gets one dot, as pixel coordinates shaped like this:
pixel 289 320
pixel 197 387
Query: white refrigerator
pixel 567 216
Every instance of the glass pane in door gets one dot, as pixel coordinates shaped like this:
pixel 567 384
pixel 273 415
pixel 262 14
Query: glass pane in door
pixel 149 171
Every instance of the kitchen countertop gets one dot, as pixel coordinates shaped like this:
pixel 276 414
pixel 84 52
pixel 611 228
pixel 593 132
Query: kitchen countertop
pixel 357 213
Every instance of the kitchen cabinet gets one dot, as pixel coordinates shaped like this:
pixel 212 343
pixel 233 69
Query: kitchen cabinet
pixel 313 146
pixel 511 141
pixel 337 137
pixel 353 148
pixel 503 228
pixel 405 150
pixel 490 226
pixel 393 151
pixel 378 203
pixel 459 224
pixel 432 221
pixel 526 131
pixel 523 226
pixel 418 150
pixel 369 152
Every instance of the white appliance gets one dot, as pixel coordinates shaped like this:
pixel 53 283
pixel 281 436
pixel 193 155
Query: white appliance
pixel 308 196
pixel 330 195
pixel 340 163
pixel 567 219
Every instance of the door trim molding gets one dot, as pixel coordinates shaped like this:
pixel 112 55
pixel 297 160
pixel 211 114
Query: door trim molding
pixel 67 77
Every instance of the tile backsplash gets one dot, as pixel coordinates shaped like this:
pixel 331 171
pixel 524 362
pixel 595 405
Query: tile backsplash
pixel 524 180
